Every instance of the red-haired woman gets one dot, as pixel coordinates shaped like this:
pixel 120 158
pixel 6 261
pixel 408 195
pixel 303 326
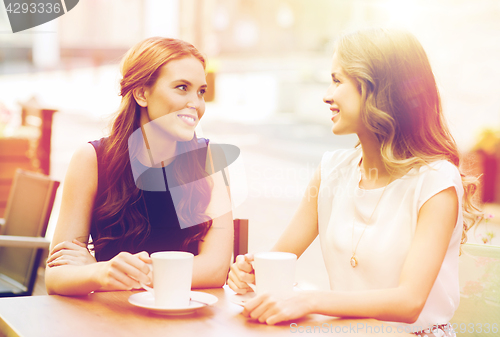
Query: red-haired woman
pixel 391 212
pixel 145 187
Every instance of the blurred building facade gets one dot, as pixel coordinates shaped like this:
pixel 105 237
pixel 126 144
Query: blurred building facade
pixel 273 56
pixel 217 27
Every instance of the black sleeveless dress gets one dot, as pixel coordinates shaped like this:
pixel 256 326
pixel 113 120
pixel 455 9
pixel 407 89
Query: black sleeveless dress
pixel 165 232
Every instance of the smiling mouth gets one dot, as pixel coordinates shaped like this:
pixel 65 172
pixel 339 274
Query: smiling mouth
pixel 187 118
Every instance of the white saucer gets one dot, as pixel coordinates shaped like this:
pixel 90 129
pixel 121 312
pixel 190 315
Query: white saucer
pixel 146 300
pixel 241 299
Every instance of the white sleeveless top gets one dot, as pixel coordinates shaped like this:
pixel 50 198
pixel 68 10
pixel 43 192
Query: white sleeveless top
pixel 385 244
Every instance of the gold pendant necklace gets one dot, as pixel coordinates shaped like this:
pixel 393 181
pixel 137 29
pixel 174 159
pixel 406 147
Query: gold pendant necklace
pixel 354 260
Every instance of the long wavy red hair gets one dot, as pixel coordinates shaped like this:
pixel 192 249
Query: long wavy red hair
pixel 122 206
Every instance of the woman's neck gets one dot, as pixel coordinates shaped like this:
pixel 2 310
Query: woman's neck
pixel 165 155
pixel 153 158
pixel 161 148
pixel 373 171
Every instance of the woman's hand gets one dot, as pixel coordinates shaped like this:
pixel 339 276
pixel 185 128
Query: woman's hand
pixel 267 309
pixel 241 274
pixel 124 272
pixel 70 253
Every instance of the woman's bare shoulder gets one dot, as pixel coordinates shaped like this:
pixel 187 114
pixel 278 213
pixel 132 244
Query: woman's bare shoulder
pixel 83 165
pixel 85 153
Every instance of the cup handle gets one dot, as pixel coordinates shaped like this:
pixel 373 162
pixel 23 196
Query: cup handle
pixel 148 288
pixel 251 285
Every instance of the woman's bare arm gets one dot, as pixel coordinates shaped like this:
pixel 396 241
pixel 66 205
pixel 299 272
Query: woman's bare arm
pixel 303 228
pixel 299 234
pixel 212 262
pixel 85 275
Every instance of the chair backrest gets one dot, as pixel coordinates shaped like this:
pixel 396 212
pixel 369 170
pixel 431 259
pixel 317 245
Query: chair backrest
pixel 479 278
pixel 240 244
pixel 27 214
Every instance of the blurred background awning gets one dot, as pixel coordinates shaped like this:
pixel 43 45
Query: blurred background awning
pixel 275 49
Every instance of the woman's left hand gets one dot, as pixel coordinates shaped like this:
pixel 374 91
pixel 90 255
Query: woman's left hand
pixel 70 253
pixel 267 309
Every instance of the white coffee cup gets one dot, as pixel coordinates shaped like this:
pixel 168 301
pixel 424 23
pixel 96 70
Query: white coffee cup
pixel 172 275
pixel 275 273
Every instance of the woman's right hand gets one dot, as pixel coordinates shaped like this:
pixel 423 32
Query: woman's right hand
pixel 241 274
pixel 124 272
pixel 70 253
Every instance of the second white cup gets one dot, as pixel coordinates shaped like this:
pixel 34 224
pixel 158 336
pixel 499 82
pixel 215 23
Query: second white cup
pixel 172 275
pixel 275 273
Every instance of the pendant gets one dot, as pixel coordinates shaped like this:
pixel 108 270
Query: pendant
pixel 354 262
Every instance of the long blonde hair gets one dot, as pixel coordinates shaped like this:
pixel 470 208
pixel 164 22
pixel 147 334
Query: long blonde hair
pixel 401 105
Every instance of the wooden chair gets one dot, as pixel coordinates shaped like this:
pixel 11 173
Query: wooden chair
pixel 240 244
pixel 23 232
pixel 34 114
pixel 479 277
pixel 15 153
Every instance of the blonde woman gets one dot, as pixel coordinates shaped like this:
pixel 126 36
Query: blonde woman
pixel 390 213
